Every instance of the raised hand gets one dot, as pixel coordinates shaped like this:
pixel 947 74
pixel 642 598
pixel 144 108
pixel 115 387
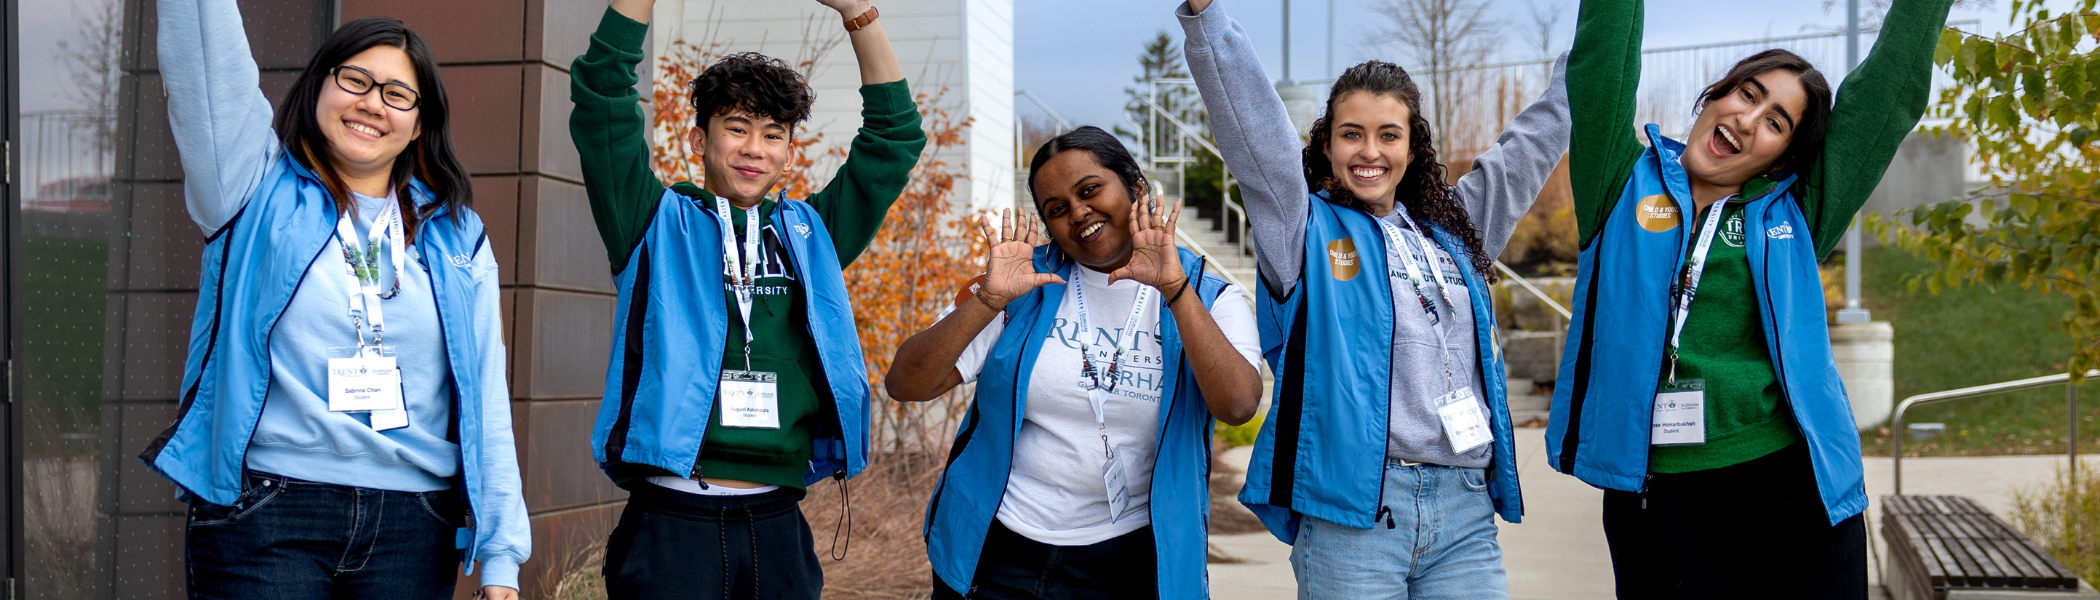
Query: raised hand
pixel 1009 267
pixel 1154 260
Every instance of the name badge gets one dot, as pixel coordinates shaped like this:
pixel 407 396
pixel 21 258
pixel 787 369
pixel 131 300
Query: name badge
pixel 1118 494
pixel 364 384
pixel 1680 414
pixel 750 399
pixel 1464 425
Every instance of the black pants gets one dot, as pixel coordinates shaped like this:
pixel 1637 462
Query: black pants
pixel 1013 567
pixel 290 538
pixel 1751 530
pixel 671 544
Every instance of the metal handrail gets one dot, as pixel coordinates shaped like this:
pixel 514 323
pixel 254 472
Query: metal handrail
pixel 1897 433
pixel 1189 131
pixel 1062 124
pixel 1550 303
pixel 1199 249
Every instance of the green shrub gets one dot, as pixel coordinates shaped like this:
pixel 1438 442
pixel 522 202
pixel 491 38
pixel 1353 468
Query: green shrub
pixel 1242 434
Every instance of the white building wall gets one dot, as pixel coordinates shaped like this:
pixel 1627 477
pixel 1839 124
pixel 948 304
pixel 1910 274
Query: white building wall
pixel 964 46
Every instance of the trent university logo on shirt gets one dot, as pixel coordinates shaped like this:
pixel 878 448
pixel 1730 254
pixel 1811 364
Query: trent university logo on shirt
pixel 1341 257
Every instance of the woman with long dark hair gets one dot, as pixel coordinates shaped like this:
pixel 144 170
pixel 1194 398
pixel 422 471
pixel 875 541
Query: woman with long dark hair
pixel 1387 451
pixel 1698 387
pixel 344 429
pixel 1100 358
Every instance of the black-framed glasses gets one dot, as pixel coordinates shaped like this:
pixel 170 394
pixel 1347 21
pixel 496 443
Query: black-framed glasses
pixel 358 81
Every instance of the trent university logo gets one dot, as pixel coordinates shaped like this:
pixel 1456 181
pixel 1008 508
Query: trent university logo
pixel 1341 257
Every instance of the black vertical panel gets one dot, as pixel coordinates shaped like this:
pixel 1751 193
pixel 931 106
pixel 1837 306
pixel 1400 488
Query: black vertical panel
pixel 10 118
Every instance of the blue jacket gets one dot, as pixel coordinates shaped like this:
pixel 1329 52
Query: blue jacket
pixel 981 459
pixel 1603 404
pixel 673 326
pixel 1322 450
pixel 252 266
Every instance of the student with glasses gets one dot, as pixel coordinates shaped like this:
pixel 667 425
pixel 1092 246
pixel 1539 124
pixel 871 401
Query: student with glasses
pixel 344 429
pixel 1100 358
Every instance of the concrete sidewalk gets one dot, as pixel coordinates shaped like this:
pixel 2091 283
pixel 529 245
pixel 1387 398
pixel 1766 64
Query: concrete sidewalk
pixel 1559 552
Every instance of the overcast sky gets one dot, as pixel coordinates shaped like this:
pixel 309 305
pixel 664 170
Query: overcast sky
pixel 1078 55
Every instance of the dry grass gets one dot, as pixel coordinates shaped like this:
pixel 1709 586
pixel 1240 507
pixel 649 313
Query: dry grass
pixel 2064 519
pixel 884 557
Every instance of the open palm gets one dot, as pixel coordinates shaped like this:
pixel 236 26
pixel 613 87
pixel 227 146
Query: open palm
pixel 1154 260
pixel 1009 267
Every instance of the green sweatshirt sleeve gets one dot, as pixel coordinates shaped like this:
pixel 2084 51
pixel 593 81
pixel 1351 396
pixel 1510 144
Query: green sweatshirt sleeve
pixel 1604 76
pixel 1879 103
pixel 611 135
pixel 877 167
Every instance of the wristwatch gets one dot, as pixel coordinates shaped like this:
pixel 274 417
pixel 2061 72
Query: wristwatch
pixel 854 24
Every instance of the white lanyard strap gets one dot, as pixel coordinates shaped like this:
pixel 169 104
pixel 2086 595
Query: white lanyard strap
pixel 743 268
pixel 1396 249
pixel 1098 392
pixel 361 257
pixel 1689 286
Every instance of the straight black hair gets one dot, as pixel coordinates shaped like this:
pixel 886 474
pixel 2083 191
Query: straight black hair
pixel 1107 150
pixel 1807 145
pixel 429 157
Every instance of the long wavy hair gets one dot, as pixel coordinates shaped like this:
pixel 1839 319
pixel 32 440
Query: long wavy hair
pixel 1807 145
pixel 1422 190
pixel 429 158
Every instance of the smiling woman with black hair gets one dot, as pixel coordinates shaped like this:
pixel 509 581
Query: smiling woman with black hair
pixel 345 422
pixel 1698 388
pixel 1100 360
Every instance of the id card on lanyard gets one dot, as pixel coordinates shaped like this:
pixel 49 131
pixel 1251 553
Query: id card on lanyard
pixel 750 399
pixel 1679 412
pixel 1101 385
pixel 367 378
pixel 1465 427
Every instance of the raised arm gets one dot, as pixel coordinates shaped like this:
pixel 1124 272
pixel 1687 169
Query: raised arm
pixel 1604 76
pixel 1506 179
pixel 609 131
pixel 1261 145
pixel 1878 104
pixel 216 107
pixel 925 364
pixel 879 163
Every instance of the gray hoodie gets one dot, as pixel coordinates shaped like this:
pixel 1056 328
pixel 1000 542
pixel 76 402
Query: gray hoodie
pixel 1262 148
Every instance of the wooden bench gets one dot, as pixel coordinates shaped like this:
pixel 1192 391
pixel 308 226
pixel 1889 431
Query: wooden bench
pixel 1939 544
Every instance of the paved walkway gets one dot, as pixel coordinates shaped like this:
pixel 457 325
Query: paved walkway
pixel 1559 552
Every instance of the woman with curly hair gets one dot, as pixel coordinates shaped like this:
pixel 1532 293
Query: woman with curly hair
pixel 1376 271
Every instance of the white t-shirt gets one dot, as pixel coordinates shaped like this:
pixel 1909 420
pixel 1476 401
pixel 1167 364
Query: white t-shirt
pixel 1054 494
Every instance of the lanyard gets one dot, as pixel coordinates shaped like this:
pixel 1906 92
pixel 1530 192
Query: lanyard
pixel 1689 286
pixel 743 276
pixel 361 261
pixel 1098 392
pixel 1396 249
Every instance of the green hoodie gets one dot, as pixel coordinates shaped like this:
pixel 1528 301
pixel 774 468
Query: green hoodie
pixel 1724 339
pixel 612 136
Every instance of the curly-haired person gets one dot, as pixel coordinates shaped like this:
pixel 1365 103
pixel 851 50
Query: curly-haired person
pixel 1386 454
pixel 736 378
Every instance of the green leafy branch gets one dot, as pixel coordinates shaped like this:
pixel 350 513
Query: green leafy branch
pixel 2029 105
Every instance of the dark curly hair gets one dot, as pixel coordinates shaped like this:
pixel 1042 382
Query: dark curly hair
pixel 752 83
pixel 1422 190
pixel 1807 145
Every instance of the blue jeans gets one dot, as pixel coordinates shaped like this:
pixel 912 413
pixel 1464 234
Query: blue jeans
pixel 1434 538
pixel 288 538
